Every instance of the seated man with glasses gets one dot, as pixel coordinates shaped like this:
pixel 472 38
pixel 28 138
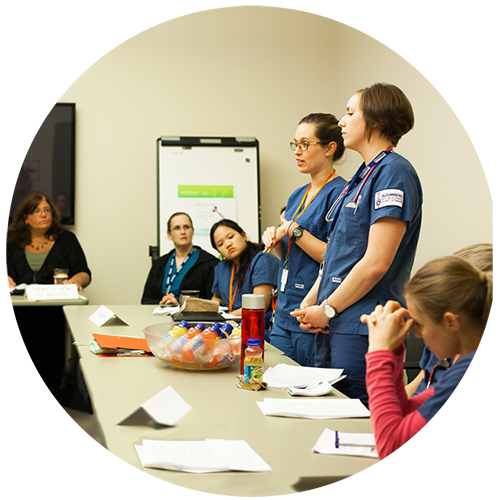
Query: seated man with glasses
pixel 37 244
pixel 186 267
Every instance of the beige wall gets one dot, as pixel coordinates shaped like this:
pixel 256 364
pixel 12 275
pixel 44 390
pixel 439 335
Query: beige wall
pixel 244 72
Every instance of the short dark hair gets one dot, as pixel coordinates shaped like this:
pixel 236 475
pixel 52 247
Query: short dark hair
pixel 327 130
pixel 19 233
pixel 175 215
pixel 386 106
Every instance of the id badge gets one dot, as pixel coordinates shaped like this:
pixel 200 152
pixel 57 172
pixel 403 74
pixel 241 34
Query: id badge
pixel 284 279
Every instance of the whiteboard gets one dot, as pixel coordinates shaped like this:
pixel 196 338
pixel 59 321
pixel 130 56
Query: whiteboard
pixel 209 178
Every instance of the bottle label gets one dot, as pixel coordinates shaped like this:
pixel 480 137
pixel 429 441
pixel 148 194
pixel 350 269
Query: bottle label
pixel 252 372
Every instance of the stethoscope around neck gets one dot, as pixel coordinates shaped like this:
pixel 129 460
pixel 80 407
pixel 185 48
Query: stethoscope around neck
pixel 362 175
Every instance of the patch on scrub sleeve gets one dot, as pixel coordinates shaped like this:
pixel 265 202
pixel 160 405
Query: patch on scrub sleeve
pixel 389 198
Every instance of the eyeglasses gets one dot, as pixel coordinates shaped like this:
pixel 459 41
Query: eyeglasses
pixel 303 146
pixel 181 228
pixel 38 212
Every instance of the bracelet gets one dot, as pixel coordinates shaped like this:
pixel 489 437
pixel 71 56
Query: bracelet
pixel 288 230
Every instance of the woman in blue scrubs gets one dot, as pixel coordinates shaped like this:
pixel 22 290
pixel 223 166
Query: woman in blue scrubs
pixel 373 236
pixel 244 269
pixel 300 241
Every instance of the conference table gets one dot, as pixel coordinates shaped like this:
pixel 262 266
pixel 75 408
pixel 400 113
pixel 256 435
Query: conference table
pixel 220 410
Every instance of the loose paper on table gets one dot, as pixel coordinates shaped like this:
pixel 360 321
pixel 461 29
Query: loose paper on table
pixel 211 455
pixel 313 408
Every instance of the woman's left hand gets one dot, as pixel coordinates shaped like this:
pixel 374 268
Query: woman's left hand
pixel 169 299
pixel 312 318
pixel 388 326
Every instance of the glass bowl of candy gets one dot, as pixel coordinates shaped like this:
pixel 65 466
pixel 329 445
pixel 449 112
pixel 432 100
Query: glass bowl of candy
pixel 195 347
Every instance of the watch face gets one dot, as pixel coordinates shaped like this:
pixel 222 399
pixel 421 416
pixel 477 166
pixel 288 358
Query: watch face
pixel 297 232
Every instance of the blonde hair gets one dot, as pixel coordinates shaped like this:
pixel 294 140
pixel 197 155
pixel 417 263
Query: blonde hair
pixel 479 255
pixel 452 284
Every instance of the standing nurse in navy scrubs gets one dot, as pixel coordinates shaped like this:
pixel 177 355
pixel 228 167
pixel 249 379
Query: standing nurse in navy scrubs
pixel 300 241
pixel 373 237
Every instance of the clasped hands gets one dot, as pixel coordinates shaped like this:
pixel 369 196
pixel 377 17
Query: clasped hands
pixel 169 299
pixel 388 325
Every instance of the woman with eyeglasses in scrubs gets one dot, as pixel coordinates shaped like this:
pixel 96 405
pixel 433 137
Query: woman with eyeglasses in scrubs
pixel 375 226
pixel 300 241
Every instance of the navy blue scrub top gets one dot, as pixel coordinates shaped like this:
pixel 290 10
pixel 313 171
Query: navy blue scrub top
pixel 263 270
pixel 392 190
pixel 303 269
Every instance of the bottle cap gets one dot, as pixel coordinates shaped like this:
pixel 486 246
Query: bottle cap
pixel 199 326
pixel 184 324
pixel 215 327
pixel 253 342
pixel 253 301
pixel 227 327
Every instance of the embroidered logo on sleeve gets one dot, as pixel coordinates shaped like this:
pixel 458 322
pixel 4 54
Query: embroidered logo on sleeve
pixel 389 198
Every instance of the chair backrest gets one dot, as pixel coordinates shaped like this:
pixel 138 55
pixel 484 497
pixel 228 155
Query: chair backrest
pixel 414 350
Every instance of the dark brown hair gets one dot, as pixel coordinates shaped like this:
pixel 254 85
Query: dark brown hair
pixel 19 232
pixel 386 107
pixel 327 130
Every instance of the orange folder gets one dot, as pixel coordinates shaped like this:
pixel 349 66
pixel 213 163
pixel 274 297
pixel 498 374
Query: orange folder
pixel 116 342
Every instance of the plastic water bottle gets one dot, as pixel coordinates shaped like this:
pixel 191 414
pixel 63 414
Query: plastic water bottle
pixel 252 323
pixel 180 329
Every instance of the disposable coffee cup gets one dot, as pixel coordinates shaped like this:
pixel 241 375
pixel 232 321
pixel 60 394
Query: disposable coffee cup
pixel 184 294
pixel 60 276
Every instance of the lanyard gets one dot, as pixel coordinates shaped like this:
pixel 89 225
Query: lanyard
pixel 232 295
pixel 171 278
pixel 444 365
pixel 295 216
pixel 362 175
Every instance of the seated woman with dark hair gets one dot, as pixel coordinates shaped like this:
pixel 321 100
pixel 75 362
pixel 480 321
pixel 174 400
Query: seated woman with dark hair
pixel 37 244
pixel 186 267
pixel 245 268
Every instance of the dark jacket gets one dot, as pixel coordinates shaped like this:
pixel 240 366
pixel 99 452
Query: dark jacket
pixel 66 253
pixel 199 277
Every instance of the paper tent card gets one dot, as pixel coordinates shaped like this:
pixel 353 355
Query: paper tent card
pixel 166 408
pixel 105 317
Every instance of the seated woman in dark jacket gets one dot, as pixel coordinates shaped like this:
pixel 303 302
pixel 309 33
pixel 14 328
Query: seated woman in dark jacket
pixel 186 267
pixel 37 244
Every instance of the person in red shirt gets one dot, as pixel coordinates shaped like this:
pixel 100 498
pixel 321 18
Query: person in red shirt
pixel 448 303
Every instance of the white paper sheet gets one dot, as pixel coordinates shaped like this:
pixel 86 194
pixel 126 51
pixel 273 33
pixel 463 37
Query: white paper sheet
pixel 281 376
pixel 327 440
pixel 211 455
pixel 313 408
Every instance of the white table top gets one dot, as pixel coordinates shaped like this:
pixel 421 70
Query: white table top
pixel 22 301
pixel 220 410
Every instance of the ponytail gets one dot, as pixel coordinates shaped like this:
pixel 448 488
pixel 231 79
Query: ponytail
pixel 451 284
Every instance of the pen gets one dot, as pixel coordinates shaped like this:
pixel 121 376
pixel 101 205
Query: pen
pixel 336 439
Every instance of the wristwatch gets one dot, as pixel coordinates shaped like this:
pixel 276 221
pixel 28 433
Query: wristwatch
pixel 297 232
pixel 329 311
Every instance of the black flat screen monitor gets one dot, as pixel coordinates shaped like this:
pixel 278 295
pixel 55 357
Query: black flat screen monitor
pixel 49 166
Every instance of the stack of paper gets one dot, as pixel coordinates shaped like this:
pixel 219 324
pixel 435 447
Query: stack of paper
pixel 315 408
pixel 343 443
pixel 282 376
pixel 211 455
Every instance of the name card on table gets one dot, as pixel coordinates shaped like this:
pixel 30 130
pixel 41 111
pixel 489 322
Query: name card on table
pixel 166 408
pixel 105 317
pixel 52 292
